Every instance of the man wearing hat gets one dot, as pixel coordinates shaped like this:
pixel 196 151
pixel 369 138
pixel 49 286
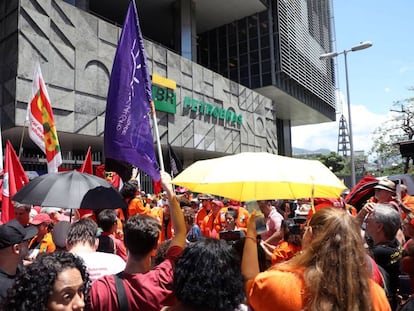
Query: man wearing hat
pixel 384 193
pixel 14 239
pixel 205 209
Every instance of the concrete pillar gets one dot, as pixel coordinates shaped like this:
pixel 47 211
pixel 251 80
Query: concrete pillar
pixel 284 137
pixel 185 29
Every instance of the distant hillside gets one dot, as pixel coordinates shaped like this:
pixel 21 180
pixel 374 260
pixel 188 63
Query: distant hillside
pixel 300 151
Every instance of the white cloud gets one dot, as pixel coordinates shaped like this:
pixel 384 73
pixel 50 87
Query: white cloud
pixel 325 135
pixel 406 68
pixel 387 90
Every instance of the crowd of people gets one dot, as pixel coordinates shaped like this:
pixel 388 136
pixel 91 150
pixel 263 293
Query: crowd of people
pixel 198 252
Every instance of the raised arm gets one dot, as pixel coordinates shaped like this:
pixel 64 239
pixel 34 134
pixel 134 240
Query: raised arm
pixel 250 261
pixel 177 217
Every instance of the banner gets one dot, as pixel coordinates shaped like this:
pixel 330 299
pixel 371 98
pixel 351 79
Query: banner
pixel 175 163
pixel 128 137
pixel 13 180
pixel 42 128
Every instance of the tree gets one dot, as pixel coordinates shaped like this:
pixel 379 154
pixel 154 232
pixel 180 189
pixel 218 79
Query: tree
pixel 333 161
pixel 399 127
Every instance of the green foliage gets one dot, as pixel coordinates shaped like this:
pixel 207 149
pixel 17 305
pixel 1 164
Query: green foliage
pixel 399 127
pixel 333 161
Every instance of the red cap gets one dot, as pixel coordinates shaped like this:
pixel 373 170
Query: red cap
pixel 234 202
pixel 218 203
pixel 41 218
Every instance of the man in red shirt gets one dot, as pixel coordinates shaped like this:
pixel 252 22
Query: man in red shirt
pixel 144 289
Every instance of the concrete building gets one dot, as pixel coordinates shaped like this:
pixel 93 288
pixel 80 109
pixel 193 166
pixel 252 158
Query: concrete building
pixel 252 65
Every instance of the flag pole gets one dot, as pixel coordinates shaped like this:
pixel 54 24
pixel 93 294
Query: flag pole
pixel 157 134
pixel 21 140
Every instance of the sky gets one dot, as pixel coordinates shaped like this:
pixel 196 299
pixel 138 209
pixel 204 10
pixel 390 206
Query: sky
pixel 378 76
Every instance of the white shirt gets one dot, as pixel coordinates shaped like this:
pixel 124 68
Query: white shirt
pixel 99 264
pixel 273 223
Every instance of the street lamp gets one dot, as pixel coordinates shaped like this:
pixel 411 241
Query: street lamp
pixel 361 46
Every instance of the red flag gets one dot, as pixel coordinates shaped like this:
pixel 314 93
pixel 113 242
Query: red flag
pixel 157 186
pixel 14 179
pixel 87 166
pixel 42 129
pixel 111 177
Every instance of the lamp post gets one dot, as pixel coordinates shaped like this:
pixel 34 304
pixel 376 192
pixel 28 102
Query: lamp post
pixel 361 46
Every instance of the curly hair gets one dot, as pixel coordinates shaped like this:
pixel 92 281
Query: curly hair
pixel 336 252
pixel 207 277
pixel 34 285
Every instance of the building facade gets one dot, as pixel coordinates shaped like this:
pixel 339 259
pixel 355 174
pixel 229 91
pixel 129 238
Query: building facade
pixel 228 76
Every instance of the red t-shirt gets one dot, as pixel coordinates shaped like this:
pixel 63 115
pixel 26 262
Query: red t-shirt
pixel 144 291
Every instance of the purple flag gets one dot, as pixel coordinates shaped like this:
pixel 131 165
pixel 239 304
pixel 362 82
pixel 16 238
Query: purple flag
pixel 128 136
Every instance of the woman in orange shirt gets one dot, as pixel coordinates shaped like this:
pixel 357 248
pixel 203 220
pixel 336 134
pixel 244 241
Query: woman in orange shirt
pixel 330 274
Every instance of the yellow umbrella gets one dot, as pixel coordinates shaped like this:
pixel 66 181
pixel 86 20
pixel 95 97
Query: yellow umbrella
pixel 261 176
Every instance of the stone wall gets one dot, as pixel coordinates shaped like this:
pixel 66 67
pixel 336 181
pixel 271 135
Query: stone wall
pixel 76 50
pixel 8 60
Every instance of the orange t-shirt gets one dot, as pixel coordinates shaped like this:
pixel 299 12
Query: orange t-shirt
pixel 135 206
pixel 284 251
pixel 200 216
pixel 208 226
pixel 408 201
pixel 241 221
pixel 158 214
pixel 46 244
pixel 284 290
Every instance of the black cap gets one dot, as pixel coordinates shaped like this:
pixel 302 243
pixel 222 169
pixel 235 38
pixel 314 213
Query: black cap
pixel 13 232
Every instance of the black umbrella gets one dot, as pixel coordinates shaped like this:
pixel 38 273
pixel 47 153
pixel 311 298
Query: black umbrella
pixel 67 190
pixel 102 198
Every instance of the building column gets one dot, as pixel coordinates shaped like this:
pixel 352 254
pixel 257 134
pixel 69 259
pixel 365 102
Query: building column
pixel 284 137
pixel 185 29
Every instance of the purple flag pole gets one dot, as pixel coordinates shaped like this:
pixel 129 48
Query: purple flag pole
pixel 127 137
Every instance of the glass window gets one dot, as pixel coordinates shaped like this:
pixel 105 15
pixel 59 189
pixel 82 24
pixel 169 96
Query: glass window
pixel 255 69
pixel 244 72
pixel 264 41
pixel 243 47
pixel 254 57
pixel 265 54
pixel 264 23
pixel 243 59
pixel 234 74
pixel 233 50
pixel 266 79
pixel 255 81
pixel 254 44
pixel 244 81
pixel 241 24
pixel 266 66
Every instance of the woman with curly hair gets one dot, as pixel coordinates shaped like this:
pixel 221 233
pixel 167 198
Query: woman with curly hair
pixel 207 277
pixel 331 273
pixel 54 281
